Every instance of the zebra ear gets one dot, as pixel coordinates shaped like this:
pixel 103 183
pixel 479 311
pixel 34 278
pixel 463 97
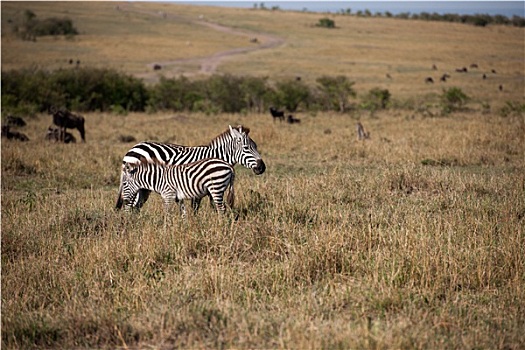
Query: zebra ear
pixel 243 129
pixel 234 132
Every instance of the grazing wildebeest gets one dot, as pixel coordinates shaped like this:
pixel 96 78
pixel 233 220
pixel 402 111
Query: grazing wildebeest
pixel 157 67
pixel 254 40
pixel 13 135
pixel 444 77
pixel 292 120
pixel 361 133
pixel 277 114
pixel 474 65
pixel 67 120
pixel 58 135
pixel 462 70
pixel 429 80
pixel 493 71
pixel 501 88
pixel 484 76
pixel 15 121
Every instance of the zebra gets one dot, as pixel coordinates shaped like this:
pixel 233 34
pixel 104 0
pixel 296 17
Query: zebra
pixel 232 146
pixel 175 183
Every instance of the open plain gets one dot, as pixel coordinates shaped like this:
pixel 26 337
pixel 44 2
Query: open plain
pixel 413 238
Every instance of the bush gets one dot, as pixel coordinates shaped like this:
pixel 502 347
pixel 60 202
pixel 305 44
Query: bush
pixel 513 109
pixel 453 99
pixel 31 91
pixel 31 26
pixel 376 98
pixel 176 94
pixel 326 23
pixel 52 26
pixel 256 93
pixel 85 89
pixel 291 93
pixel 225 93
pixel 334 92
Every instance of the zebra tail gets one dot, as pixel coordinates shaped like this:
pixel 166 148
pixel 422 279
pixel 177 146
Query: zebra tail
pixel 230 198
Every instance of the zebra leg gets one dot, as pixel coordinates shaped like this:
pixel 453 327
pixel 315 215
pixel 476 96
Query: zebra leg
pixel 218 199
pixel 141 198
pixel 195 204
pixel 168 199
pixel 211 200
pixel 129 203
pixel 182 209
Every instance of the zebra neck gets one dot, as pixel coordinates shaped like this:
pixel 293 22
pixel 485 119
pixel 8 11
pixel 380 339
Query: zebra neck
pixel 221 151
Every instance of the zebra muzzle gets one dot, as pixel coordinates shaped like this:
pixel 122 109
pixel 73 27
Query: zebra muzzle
pixel 260 167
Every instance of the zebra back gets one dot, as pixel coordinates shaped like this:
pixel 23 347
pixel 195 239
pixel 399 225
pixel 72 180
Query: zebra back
pixel 233 146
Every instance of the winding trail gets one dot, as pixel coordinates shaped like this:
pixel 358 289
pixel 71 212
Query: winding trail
pixel 207 64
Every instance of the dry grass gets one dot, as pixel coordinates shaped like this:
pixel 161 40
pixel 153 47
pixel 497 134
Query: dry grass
pixel 412 239
pixel 366 248
pixel 364 49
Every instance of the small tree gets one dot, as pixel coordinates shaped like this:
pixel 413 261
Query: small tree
pixel 453 99
pixel 255 92
pixel 326 23
pixel 376 98
pixel 336 91
pixel 225 93
pixel 291 93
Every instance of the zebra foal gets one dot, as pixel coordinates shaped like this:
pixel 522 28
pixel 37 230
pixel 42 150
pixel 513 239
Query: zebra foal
pixel 175 183
pixel 233 146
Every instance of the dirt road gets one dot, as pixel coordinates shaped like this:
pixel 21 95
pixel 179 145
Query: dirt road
pixel 207 64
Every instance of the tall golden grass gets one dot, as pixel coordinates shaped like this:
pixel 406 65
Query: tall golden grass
pixel 134 36
pixel 412 239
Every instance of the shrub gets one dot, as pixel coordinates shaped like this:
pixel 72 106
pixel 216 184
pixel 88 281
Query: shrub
pixel 376 98
pixel 225 93
pixel 335 91
pixel 291 93
pixel 85 89
pixel 256 93
pixel 453 99
pixel 31 26
pixel 513 109
pixel 52 26
pixel 326 23
pixel 177 94
pixel 30 91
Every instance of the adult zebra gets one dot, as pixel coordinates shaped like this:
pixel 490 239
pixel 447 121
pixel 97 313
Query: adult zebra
pixel 175 183
pixel 232 146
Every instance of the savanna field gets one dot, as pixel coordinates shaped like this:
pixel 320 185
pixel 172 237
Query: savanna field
pixel 413 238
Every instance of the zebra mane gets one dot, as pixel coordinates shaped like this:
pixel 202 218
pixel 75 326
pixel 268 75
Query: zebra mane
pixel 243 129
pixel 145 161
pixel 225 134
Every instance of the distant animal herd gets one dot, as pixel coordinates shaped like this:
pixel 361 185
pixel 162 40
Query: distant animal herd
pixel 277 114
pixel 179 172
pixel 63 119
pixel 464 69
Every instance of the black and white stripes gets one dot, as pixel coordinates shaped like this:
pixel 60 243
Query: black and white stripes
pixel 178 182
pixel 232 146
